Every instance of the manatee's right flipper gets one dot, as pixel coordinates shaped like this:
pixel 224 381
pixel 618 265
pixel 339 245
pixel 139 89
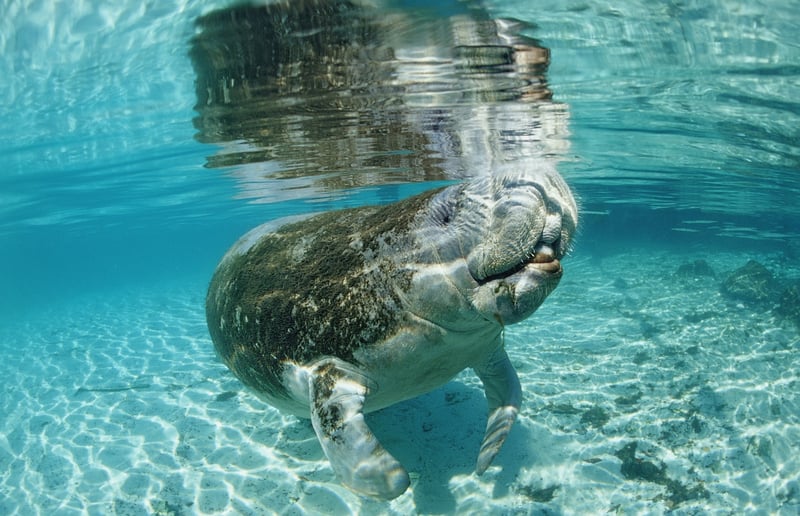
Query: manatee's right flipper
pixel 362 464
pixel 504 395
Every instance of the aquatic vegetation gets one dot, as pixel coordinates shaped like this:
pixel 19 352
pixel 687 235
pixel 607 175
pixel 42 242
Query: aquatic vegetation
pixel 634 468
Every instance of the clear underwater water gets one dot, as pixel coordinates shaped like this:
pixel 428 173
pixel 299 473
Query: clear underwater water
pixel 647 390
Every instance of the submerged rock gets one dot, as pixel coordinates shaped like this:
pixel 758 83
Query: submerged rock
pixel 752 283
pixel 540 495
pixel 621 284
pixel 791 250
pixel 695 269
pixel 789 304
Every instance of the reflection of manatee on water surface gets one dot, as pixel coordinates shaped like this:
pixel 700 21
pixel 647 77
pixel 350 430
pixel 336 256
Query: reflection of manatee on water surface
pixel 335 96
pixel 334 315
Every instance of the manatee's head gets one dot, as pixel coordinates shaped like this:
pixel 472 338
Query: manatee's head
pixel 496 243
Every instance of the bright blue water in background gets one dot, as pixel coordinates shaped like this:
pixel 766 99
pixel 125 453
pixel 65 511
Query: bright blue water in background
pixel 678 112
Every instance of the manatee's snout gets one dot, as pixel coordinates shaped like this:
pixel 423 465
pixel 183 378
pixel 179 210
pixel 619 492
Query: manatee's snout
pixel 561 217
pixel 544 259
pixel 554 242
pixel 529 223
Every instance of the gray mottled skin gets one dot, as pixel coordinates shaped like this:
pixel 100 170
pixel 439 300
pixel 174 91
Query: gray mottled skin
pixel 346 312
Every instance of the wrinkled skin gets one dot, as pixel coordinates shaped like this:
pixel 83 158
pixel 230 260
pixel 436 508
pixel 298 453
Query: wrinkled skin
pixel 343 313
pixel 500 247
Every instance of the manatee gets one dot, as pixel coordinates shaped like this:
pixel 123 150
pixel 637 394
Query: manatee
pixel 334 315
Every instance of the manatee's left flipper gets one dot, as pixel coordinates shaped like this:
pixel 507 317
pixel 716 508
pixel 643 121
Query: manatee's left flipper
pixel 504 395
pixel 363 465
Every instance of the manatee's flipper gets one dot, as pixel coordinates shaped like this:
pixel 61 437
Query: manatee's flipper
pixel 363 465
pixel 504 395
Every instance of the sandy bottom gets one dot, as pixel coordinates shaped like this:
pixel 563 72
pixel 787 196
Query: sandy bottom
pixel 643 393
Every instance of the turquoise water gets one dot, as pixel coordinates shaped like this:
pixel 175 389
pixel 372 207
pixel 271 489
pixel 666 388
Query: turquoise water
pixel 649 387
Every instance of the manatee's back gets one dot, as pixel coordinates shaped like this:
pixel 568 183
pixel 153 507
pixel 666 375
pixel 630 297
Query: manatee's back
pixel 321 286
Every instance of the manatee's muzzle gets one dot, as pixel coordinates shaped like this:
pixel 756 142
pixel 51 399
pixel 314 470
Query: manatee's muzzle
pixel 525 223
pixel 551 267
pixel 544 259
